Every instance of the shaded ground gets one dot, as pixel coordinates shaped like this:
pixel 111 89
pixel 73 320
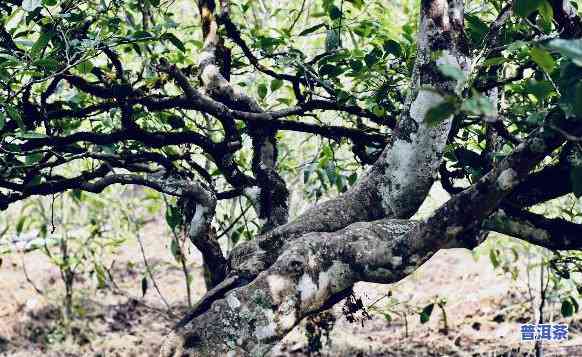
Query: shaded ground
pixel 483 310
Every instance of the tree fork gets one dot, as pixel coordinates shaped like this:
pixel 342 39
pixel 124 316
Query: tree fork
pixel 298 272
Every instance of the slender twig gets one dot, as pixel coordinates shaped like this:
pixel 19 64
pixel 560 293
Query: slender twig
pixel 233 223
pixel 29 280
pixel 150 273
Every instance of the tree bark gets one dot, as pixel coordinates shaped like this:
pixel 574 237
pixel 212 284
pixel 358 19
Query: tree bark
pixel 309 264
pixel 293 272
pixel 270 193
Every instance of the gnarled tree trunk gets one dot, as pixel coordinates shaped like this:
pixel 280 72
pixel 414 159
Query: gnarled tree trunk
pixel 310 263
pixel 303 266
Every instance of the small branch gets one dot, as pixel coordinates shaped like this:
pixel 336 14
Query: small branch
pixel 151 274
pixel 29 280
pixel 551 233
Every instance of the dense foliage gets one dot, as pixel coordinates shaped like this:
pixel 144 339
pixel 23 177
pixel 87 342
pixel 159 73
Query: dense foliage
pixel 82 82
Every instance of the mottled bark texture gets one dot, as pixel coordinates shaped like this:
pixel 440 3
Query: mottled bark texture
pixel 568 22
pixel 271 195
pixel 555 234
pixel 394 187
pixel 314 271
pixel 198 217
pixel 397 184
pixel 307 265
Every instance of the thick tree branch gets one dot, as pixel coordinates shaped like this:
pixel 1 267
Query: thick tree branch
pixel 536 189
pixel 394 187
pixel 317 267
pixel 554 234
pixel 271 200
pixel 568 22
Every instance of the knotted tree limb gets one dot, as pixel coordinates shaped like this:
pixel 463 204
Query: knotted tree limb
pixel 568 22
pixel 271 195
pixel 316 269
pixel 397 184
pixel 198 216
pixel 386 191
pixel 551 233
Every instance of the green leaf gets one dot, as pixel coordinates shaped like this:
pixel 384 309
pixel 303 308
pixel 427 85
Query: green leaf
pixel 331 40
pixel 479 105
pixel 175 249
pixel 311 29
pixel 440 112
pixel 373 56
pixel 29 135
pixel 176 122
pixel 524 8
pixel 477 29
pixel 15 115
pixel 100 274
pixel 543 59
pixel 356 65
pixel 84 67
pixel 49 2
pixel 493 258
pixel 268 43
pixel 20 224
pixel 141 34
pixel 334 12
pixel 567 308
pixel 174 40
pixel 570 84
pixel 494 61
pixel 2 120
pixel 40 44
pixel 426 312
pixel 144 286
pixel 451 71
pixel 33 158
pixel 536 118
pixel 30 5
pixel 262 90
pixel 48 64
pixel 330 70
pixel 569 48
pixel 540 89
pixel 393 47
pixel 352 178
pixel 77 195
pixel 276 84
pixel 576 180
pixel 173 217
pixel 546 11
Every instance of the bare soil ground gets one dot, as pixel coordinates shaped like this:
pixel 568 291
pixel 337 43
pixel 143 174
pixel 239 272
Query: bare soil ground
pixel 484 309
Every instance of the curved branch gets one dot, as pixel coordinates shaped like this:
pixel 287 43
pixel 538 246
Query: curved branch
pixel 158 182
pixel 535 188
pixel 568 22
pixel 554 234
pixel 150 139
